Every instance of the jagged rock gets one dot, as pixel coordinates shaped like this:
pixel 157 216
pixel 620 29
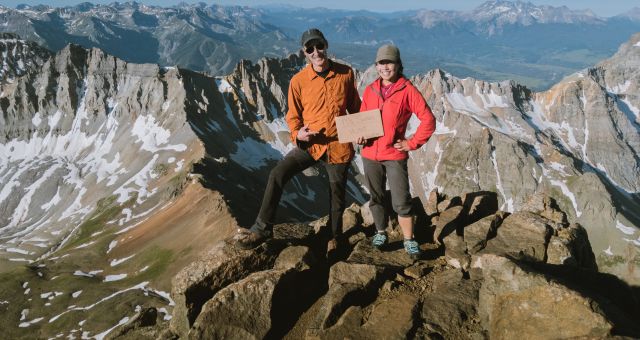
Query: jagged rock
pixel 388 319
pixel 358 274
pixel 431 206
pixel 320 225
pixel 479 204
pixel 452 303
pixel 365 213
pixel 478 233
pixel 349 284
pixel 522 235
pixel 455 252
pixel 298 258
pixel 351 217
pixel 202 279
pixel 449 203
pixel 293 232
pixel 419 269
pixel 356 238
pixel 246 309
pixel 545 206
pixel 448 221
pixel 517 303
pixel 570 246
pixel 393 256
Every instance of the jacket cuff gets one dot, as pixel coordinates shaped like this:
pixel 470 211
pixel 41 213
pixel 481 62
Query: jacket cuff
pixel 412 144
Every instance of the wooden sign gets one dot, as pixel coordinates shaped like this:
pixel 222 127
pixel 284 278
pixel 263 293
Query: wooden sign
pixel 367 124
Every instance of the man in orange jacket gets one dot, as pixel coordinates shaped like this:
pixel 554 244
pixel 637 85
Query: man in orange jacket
pixel 319 93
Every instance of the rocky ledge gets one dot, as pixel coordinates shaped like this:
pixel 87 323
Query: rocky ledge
pixel 484 274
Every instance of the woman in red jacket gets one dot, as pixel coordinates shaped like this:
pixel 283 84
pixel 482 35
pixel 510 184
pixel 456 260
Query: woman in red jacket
pixel 386 157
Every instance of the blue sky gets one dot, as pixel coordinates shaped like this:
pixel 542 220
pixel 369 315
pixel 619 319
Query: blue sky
pixel 600 7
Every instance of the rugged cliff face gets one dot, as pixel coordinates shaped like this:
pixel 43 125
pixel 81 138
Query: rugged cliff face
pixel 577 142
pixel 114 176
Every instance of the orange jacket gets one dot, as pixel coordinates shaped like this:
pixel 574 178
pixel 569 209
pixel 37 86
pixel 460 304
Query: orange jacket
pixel 318 101
pixel 403 101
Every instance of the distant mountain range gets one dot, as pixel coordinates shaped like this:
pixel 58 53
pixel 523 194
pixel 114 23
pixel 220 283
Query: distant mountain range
pixel 114 176
pixel 535 45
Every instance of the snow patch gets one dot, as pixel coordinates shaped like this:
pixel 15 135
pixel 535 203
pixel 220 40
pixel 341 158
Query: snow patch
pixel 76 294
pixel 152 135
pixel 112 245
pixel 625 229
pixel 118 261
pixel 252 154
pixel 116 277
pixel 29 323
pixel 36 120
pixel 223 85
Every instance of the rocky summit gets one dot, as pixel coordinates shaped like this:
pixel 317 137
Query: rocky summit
pixel 495 275
pixel 122 185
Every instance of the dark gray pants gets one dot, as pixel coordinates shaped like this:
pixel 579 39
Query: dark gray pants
pixel 293 163
pixel 376 174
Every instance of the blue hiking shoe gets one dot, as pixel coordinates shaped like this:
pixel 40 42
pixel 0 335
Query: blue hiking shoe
pixel 379 240
pixel 412 249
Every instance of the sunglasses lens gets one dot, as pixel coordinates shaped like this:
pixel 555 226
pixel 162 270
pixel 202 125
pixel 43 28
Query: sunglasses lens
pixel 318 46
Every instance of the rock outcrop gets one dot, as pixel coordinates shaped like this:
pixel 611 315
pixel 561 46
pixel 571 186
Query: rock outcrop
pixel 515 282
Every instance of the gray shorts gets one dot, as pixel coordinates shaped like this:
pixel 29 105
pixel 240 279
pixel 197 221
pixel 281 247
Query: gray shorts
pixel 376 174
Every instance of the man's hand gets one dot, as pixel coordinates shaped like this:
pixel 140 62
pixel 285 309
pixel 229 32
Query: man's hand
pixel 305 134
pixel 402 145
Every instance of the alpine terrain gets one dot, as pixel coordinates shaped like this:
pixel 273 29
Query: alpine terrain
pixel 121 185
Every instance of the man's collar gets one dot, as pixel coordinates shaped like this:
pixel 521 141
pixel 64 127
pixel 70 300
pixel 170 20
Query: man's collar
pixel 311 73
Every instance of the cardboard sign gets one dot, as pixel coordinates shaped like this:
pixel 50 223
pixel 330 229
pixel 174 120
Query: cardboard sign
pixel 367 124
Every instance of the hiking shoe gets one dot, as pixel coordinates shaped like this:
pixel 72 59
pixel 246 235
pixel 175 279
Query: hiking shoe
pixel 250 240
pixel 379 240
pixel 412 248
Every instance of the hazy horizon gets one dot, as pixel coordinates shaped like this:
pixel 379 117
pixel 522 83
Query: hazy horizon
pixel 600 8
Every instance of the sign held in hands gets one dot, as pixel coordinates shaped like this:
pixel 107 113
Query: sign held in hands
pixel 367 124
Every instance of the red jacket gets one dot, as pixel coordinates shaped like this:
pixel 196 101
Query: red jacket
pixel 403 100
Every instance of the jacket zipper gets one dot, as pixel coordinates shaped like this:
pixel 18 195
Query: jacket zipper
pixel 382 107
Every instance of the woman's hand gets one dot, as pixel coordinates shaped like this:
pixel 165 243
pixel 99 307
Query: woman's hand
pixel 402 145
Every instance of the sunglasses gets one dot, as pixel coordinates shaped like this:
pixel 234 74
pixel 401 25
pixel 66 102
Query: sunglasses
pixel 318 46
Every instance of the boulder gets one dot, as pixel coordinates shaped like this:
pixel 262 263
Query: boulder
pixel 419 269
pixel 244 310
pixel 479 204
pixel 570 246
pixel 349 284
pixel 365 213
pixel 478 233
pixel 452 304
pixel 522 235
pixel 431 207
pixel 449 203
pixel 299 258
pixel 516 302
pixel 393 257
pixel 455 252
pixel 222 265
pixel 447 222
pixel 351 217
pixel 543 205
pixel 388 319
